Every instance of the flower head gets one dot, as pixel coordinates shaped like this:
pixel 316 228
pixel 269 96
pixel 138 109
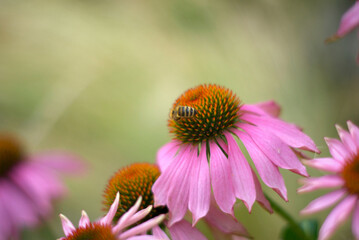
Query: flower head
pixel 103 228
pixel 344 166
pixel 348 23
pixel 204 153
pixel 135 181
pixel 28 184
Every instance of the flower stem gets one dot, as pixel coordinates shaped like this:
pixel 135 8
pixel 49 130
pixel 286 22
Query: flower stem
pixel 290 220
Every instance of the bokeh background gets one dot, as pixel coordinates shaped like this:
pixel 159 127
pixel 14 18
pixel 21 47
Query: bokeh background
pixel 97 78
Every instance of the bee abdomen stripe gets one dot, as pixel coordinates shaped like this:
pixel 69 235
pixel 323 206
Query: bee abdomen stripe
pixel 187 111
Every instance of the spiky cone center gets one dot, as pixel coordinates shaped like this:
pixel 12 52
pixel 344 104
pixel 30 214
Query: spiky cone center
pixel 92 231
pixel 131 182
pixel 217 109
pixel 11 153
pixel 350 174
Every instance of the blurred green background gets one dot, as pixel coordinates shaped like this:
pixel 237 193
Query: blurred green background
pixel 98 78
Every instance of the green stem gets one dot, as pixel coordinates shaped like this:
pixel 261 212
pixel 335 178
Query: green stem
pixel 290 220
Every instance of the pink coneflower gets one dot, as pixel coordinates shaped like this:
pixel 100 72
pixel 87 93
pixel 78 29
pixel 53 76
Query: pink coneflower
pixel 103 228
pixel 204 153
pixel 348 23
pixel 136 180
pixel 28 185
pixel 344 164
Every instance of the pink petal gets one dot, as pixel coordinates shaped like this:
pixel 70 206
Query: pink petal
pixel 337 149
pixel 166 154
pixel 200 186
pixel 261 199
pixel 324 202
pixel 157 232
pixel 106 220
pixel 266 169
pixel 221 179
pixel 243 183
pixel 143 227
pixel 183 230
pixel 20 208
pixel 162 185
pixel 347 140
pixel 289 134
pixel 337 216
pixel 262 108
pixel 124 221
pixel 60 161
pixel 144 237
pixel 67 225
pixel 139 215
pixel 328 181
pixel 325 164
pixel 6 222
pixel 354 131
pixel 178 194
pixel 349 21
pixel 224 222
pixel 276 150
pixel 84 220
pixel 355 223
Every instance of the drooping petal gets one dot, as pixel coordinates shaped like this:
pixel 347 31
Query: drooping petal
pixel 183 230
pixel 144 237
pixel 221 179
pixel 20 209
pixel 354 131
pixel 243 183
pixel 347 140
pixel 349 21
pixel 112 212
pixel 325 164
pixel 355 222
pixel 328 181
pixel 269 107
pixel 166 154
pixel 289 134
pixel 84 220
pixel 323 202
pixel 224 222
pixel 276 150
pixel 266 169
pixel 337 216
pixel 157 232
pixel 261 199
pixel 143 227
pixel 178 193
pixel 337 149
pixel 164 182
pixel 67 225
pixel 200 186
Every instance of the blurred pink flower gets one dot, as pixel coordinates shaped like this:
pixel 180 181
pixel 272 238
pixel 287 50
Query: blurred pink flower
pixel 103 228
pixel 28 185
pixel 348 23
pixel 204 153
pixel 344 164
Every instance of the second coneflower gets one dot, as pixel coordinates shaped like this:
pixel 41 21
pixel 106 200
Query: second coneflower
pixel 206 123
pixel 136 181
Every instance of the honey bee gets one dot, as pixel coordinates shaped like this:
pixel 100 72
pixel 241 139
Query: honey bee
pixel 180 112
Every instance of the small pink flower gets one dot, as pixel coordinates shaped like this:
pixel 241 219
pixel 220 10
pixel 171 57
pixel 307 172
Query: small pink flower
pixel 103 228
pixel 344 166
pixel 206 122
pixel 28 185
pixel 348 23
